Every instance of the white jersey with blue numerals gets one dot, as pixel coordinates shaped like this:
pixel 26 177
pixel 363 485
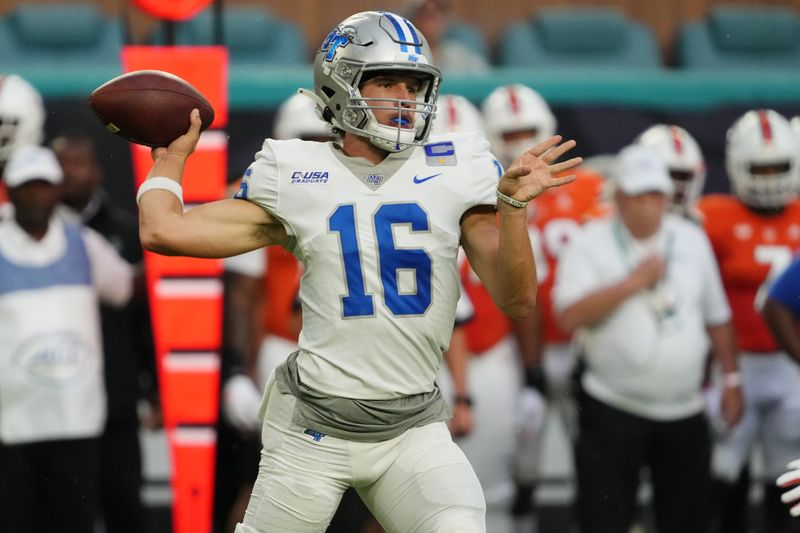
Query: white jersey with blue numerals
pixel 379 244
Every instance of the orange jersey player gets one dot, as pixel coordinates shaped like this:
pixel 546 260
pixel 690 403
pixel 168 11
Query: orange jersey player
pixel 752 249
pixel 754 235
pixel 557 216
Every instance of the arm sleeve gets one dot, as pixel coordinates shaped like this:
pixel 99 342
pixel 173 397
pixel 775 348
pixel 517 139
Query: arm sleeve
pixel 786 288
pixel 260 183
pixel 716 310
pixel 112 276
pixel 486 171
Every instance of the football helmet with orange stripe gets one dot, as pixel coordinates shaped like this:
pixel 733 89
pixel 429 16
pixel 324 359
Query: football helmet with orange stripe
pixel 686 164
pixel 762 159
pixel 517 118
pixel 456 114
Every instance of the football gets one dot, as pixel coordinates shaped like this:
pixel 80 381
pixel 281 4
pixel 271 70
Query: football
pixel 149 107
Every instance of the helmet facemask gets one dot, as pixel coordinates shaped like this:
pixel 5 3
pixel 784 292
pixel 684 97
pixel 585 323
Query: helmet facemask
pixel 762 160
pixel 364 46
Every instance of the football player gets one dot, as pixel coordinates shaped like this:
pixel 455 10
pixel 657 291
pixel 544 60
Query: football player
pixel 517 116
pixel 753 233
pixel 686 164
pixel 21 119
pixel 376 220
pixel 493 374
pixel 261 325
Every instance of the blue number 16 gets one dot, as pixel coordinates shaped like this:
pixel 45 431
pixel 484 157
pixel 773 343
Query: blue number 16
pixel 391 259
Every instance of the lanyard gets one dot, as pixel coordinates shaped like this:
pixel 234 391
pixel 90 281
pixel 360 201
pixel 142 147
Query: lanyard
pixel 660 299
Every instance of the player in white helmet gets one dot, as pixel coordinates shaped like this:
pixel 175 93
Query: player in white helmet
pixel 377 220
pixel 754 233
pixel 761 158
pixel 516 116
pixel 686 164
pixel 493 372
pixel 21 115
pixel 297 118
pixel 456 114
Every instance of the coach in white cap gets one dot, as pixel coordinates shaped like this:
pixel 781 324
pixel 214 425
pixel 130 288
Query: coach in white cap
pixel 642 292
pixel 52 400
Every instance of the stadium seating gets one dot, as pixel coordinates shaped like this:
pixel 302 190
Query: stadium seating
pixel 741 37
pixel 576 37
pixel 254 37
pixel 467 35
pixel 66 37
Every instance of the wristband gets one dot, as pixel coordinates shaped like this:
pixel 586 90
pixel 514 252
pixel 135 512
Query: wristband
pixel 510 201
pixel 165 184
pixel 731 380
pixel 463 399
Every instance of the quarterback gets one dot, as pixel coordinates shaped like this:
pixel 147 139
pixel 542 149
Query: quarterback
pixel 376 218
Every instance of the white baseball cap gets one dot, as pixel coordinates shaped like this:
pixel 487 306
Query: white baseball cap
pixel 28 163
pixel 639 169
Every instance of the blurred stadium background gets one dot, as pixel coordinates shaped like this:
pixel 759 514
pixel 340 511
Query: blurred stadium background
pixel 608 68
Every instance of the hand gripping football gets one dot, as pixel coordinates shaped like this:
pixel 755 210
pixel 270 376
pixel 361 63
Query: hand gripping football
pixel 149 107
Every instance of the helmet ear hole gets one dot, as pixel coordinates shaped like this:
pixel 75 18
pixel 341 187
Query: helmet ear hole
pixel 328 91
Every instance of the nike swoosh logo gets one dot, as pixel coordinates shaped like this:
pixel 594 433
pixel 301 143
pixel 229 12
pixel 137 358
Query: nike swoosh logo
pixel 423 180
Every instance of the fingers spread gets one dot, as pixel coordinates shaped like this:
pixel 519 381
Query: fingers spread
pixel 558 182
pixel 545 145
pixel 565 165
pixel 555 152
pixel 514 173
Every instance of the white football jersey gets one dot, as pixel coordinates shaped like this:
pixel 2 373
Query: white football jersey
pixel 379 246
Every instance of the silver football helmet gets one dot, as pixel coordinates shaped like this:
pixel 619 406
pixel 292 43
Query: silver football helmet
pixel 362 46
pixel 683 157
pixel 456 114
pixel 297 118
pixel 21 115
pixel 517 118
pixel 762 159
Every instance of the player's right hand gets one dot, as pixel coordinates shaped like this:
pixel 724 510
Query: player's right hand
pixel 791 479
pixel 240 402
pixel 183 146
pixel 648 272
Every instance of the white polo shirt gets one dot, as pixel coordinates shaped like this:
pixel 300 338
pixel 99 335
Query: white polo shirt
pixel 647 357
pixel 51 373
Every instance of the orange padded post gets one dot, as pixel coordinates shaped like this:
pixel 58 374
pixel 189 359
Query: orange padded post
pixel 186 294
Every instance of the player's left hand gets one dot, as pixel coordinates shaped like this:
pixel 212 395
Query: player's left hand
pixel 461 424
pixel 534 171
pixel 791 479
pixel 732 405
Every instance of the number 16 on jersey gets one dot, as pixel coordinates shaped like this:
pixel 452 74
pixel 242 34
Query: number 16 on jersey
pixel 357 302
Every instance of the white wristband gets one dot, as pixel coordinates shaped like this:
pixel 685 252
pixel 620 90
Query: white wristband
pixel 510 201
pixel 731 380
pixel 165 184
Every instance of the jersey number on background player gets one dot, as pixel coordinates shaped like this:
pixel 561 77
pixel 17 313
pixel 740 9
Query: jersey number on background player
pixel 392 260
pixel 778 259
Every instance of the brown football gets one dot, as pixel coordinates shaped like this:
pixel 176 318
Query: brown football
pixel 149 107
